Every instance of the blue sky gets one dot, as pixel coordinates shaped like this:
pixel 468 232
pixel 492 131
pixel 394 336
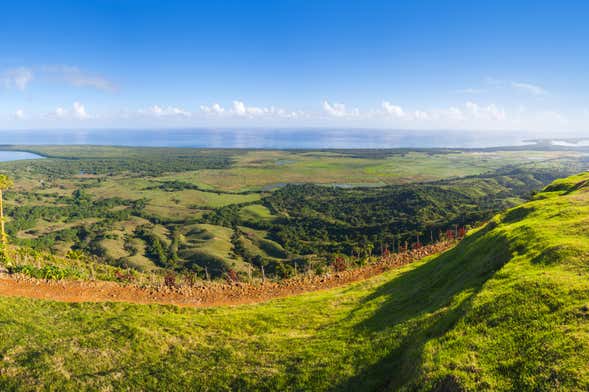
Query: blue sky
pixel 498 65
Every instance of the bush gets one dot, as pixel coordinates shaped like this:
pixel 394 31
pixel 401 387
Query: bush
pixel 47 272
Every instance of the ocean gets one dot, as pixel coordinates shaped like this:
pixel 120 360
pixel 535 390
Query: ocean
pixel 268 138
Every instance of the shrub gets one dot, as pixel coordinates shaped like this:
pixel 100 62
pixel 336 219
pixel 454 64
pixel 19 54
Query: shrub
pixel 47 272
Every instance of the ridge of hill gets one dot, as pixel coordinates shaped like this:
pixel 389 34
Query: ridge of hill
pixel 506 309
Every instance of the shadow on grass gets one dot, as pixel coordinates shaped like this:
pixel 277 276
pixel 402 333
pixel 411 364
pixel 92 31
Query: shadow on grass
pixel 429 299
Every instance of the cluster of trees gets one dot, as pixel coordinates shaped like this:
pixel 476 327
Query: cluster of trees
pixel 271 266
pixel 165 256
pixel 176 185
pixel 359 222
pixel 150 162
pixel 84 237
pixel 69 209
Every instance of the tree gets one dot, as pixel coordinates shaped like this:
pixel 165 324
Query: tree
pixel 5 183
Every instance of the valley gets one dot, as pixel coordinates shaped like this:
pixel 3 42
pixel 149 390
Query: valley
pixel 219 214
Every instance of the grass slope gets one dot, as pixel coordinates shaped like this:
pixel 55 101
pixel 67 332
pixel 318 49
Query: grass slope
pixel 507 309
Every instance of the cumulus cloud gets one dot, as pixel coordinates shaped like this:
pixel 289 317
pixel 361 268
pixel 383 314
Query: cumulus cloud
pixel 78 78
pixel 213 109
pixel 392 110
pixel 490 112
pixel 242 110
pixel 18 78
pixel 339 110
pixel 77 111
pixel 60 112
pixel 529 88
pixel 468 113
pixel 169 111
pixel 19 114
pixel 239 108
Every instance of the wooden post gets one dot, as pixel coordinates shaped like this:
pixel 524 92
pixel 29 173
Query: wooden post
pixel 4 239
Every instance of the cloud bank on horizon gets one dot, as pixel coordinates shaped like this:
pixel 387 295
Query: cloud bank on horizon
pixel 448 65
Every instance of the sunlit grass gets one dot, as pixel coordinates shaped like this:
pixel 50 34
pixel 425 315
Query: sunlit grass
pixel 505 310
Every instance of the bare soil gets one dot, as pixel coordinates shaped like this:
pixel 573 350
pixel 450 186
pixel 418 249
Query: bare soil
pixel 207 294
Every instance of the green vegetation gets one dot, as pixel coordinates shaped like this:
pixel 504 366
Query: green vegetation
pixel 76 265
pixel 5 183
pixel 145 208
pixel 506 309
pixel 311 219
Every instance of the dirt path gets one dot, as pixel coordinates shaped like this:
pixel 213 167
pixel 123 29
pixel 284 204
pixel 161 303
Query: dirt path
pixel 211 294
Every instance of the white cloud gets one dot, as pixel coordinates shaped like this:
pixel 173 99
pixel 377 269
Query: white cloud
pixel 393 110
pixel 78 78
pixel 18 78
pixel 529 88
pixel 213 109
pixel 421 115
pixel 79 111
pixel 170 111
pixel 469 115
pixel 339 110
pixel 241 110
pixel 60 112
pixel 255 111
pixel 490 112
pixel 19 114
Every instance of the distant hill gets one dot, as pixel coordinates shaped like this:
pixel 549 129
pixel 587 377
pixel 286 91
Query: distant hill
pixel 506 309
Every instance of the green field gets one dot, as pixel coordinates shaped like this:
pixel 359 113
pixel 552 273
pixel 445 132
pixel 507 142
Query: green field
pixel 263 169
pixel 504 310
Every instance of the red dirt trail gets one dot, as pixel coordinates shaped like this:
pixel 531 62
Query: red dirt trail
pixel 204 295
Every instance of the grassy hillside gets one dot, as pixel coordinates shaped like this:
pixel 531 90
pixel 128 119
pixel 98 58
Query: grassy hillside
pixel 507 309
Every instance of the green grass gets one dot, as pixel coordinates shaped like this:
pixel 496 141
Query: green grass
pixel 255 170
pixel 210 245
pixel 137 188
pixel 507 309
pixel 256 213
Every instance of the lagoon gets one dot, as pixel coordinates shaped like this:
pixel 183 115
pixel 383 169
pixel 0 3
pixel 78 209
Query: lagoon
pixel 7 156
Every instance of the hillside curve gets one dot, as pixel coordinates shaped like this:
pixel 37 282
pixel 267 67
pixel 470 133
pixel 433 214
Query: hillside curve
pixel 506 309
